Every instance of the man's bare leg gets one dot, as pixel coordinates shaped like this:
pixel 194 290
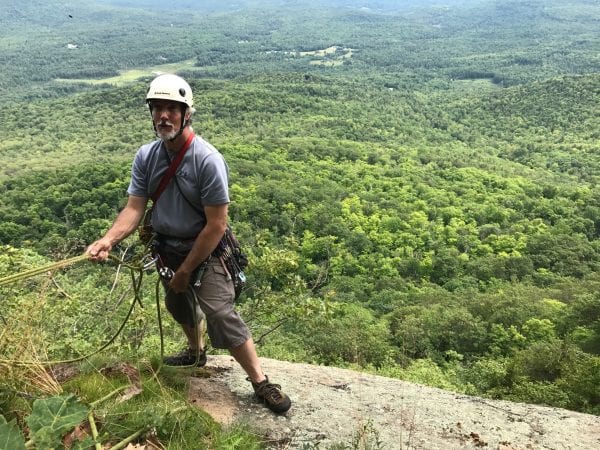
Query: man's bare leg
pixel 266 391
pixel 195 335
pixel 194 355
pixel 246 356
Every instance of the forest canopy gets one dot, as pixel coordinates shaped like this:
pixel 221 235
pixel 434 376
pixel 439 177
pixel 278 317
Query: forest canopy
pixel 416 185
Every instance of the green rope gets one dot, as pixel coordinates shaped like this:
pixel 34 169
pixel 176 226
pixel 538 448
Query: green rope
pixel 39 270
pixel 81 358
pixel 57 265
pixel 160 329
pixel 136 283
pixel 54 266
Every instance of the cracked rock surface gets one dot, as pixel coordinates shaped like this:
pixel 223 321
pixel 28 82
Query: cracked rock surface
pixel 339 406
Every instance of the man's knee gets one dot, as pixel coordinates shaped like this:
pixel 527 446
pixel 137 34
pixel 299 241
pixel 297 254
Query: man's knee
pixel 227 329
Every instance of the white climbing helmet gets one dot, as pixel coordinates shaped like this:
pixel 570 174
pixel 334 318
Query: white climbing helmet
pixel 170 87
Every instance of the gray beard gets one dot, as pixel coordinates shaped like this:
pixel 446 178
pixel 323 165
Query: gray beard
pixel 166 136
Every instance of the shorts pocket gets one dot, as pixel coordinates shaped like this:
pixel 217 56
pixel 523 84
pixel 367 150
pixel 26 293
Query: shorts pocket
pixel 218 268
pixel 217 284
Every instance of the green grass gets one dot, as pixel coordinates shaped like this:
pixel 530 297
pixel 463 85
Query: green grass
pixel 479 85
pixel 131 75
pixel 161 408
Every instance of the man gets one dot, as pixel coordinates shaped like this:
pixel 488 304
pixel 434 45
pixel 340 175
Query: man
pixel 189 219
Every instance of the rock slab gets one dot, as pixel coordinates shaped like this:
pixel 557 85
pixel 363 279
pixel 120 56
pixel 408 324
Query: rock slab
pixel 339 406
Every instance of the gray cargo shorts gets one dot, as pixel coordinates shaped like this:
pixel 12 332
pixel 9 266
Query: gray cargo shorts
pixel 213 300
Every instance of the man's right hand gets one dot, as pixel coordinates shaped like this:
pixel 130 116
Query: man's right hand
pixel 99 250
pixel 125 224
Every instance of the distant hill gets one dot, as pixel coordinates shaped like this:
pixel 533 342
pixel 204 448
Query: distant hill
pixel 508 42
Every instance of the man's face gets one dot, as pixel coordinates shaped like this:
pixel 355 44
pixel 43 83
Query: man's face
pixel 167 118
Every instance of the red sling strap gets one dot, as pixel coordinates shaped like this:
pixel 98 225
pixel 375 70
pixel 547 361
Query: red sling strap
pixel 172 168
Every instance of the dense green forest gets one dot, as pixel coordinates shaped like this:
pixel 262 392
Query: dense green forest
pixel 416 185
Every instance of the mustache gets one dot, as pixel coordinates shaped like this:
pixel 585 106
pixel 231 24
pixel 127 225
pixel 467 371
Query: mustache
pixel 165 124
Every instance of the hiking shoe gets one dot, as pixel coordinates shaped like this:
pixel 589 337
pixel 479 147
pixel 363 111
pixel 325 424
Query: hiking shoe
pixel 272 395
pixel 186 357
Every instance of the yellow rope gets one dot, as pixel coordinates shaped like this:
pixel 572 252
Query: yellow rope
pixel 54 266
pixel 39 270
pixel 57 265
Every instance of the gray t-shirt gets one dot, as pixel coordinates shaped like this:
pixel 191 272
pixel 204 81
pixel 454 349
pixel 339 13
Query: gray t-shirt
pixel 202 176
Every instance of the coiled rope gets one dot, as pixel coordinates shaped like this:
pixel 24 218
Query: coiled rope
pixel 136 283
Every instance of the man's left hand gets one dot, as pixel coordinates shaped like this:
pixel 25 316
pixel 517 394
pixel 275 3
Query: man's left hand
pixel 180 282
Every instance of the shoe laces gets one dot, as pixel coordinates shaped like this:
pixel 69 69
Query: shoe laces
pixel 267 389
pixel 271 391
